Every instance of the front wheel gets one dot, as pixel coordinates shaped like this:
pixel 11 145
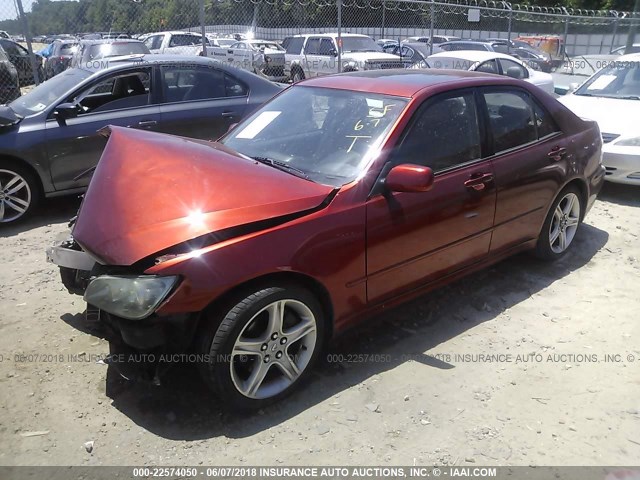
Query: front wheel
pixel 264 346
pixel 561 225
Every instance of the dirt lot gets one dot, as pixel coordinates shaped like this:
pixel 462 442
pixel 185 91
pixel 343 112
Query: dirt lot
pixel 551 398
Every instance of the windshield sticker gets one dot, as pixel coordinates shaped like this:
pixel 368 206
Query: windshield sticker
pixel 602 82
pixel 373 103
pixel 258 124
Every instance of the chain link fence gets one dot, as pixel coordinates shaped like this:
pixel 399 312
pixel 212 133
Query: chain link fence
pixel 39 40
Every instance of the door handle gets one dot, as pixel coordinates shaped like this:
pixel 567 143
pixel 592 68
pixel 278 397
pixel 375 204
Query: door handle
pixel 228 114
pixel 478 181
pixel 557 153
pixel 147 123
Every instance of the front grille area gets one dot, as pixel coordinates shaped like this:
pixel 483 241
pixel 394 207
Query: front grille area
pixel 609 137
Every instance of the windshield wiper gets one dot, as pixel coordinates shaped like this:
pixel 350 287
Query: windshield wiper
pixel 285 167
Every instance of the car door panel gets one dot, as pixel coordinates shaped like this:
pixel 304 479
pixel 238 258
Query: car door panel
pixel 413 238
pixel 74 145
pixel 527 178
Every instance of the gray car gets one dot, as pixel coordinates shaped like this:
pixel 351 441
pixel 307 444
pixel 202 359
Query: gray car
pixel 49 137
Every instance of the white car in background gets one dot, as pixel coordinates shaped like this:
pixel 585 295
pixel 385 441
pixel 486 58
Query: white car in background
pixel 611 97
pixel 490 62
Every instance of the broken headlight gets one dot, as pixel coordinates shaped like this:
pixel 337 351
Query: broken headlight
pixel 131 297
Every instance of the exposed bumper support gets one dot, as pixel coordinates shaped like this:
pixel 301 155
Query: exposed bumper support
pixel 63 256
pixel 75 265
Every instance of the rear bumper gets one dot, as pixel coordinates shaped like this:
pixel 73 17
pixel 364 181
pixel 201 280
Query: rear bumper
pixel 595 185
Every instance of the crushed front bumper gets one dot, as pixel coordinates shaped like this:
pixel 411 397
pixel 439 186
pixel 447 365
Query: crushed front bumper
pixel 77 268
pixel 75 265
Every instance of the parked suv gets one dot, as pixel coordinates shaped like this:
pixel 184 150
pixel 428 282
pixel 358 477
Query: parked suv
pixel 59 58
pixel 315 55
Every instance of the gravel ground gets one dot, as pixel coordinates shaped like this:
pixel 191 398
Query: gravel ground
pixel 553 397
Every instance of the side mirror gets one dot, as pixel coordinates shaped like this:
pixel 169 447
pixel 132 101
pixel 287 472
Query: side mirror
pixel 573 87
pixel 333 52
pixel 232 126
pixel 66 110
pixel 409 178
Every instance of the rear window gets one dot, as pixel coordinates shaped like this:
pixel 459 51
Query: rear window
pixel 104 50
pixel 68 49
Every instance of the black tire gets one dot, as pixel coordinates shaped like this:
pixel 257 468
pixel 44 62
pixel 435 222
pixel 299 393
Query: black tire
pixel 545 248
pixel 222 372
pixel 29 194
pixel 297 75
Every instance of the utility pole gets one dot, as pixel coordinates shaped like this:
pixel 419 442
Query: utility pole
pixel 27 37
pixel 203 30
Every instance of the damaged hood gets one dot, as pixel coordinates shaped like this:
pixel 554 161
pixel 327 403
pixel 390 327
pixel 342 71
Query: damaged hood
pixel 152 191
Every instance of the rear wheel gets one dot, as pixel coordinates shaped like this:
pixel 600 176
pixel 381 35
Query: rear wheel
pixel 561 225
pixel 19 192
pixel 264 346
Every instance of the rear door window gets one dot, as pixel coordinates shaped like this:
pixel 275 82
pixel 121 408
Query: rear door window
pixel 513 69
pixel 511 119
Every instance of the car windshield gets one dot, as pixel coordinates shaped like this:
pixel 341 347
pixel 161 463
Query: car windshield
pixel 359 44
pixel 48 92
pixel 103 50
pixel 328 135
pixel 621 79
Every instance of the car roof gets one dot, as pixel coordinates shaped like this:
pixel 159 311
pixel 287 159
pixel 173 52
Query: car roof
pixel 469 41
pixel 173 32
pixel 125 61
pixel 629 56
pixel 402 82
pixel 101 41
pixel 332 35
pixel 472 55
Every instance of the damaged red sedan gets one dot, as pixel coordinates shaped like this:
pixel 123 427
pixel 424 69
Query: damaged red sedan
pixel 341 196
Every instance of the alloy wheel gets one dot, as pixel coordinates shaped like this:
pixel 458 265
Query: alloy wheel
pixel 273 349
pixel 564 223
pixel 15 196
